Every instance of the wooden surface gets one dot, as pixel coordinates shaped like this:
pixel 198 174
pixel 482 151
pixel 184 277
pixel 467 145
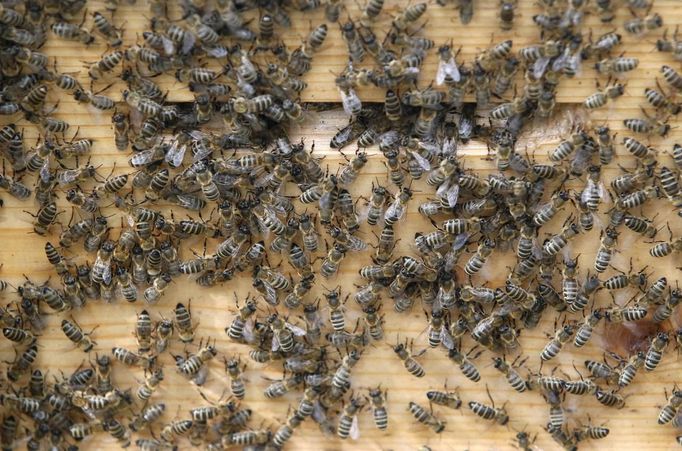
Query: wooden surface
pixel 633 427
pixel 442 25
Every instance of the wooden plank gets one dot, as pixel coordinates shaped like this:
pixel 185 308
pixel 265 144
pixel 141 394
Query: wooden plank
pixel 631 428
pixel 442 26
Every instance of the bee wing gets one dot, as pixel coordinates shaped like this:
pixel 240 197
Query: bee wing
pixel 395 209
pixel 460 241
pixel 350 101
pixel 561 61
pixel 106 275
pixel 142 158
pixel 354 432
pixel 446 68
pixel 356 244
pixel 540 66
pixel 175 154
pixel 319 414
pixel 65 177
pixel 45 171
pixel 423 162
pixel 188 201
pixel 298 331
pixel 449 192
pixel 446 339
pixel 275 343
pixel 188 41
pixel 202 152
pixel 575 62
pixel 217 51
pixel 449 147
pixel 270 295
pixel 168 46
pixel 248 331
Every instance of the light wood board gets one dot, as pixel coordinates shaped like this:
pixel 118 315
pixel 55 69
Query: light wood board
pixel 633 427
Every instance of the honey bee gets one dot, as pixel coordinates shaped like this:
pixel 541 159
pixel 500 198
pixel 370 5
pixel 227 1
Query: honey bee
pixel 427 418
pixel 499 415
pixel 411 365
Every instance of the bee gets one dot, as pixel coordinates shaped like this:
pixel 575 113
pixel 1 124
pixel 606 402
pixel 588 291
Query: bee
pixel 194 366
pixel 18 335
pixel 143 331
pixel 606 249
pixel 44 219
pixel 427 418
pixel 669 410
pixel 640 25
pixel 72 32
pixel 159 285
pixel 647 126
pixel 146 106
pixel 151 382
pixel 510 373
pixel 499 415
pixel 476 261
pixel 655 351
pixel 610 399
pixel 284 333
pixel 660 100
pixel 396 210
pixel 664 311
pixel 617 65
pixel 22 364
pixel 74 333
pixel 672 77
pixel 621 314
pixel 561 337
pixel 175 429
pixel 183 323
pixel 149 414
pixel 378 398
pixel 602 97
pixel 557 242
pixel 507 14
pixel 411 365
pixel 105 65
pixel 162 334
pixel 584 332
pixel 627 374
pixel 234 370
pixel 348 420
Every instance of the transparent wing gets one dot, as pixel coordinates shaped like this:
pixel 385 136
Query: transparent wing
pixel 354 432
pixel 188 41
pixel 449 147
pixel 540 66
pixel 460 241
pixel 423 162
pixel 106 275
pixel 175 154
pixel 45 170
pixel 217 51
pixel 299 332
pixel 356 244
pixel 350 101
pixel 447 68
pixel 168 46
pixel 446 338
pixel 248 331
pixel 270 294
pixel 275 343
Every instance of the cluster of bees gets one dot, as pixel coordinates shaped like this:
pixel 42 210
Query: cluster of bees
pixel 249 191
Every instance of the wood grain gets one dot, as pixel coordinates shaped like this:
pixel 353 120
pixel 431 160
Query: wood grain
pixel 633 427
pixel 442 26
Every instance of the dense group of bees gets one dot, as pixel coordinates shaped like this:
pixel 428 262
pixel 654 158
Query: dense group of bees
pixel 252 196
